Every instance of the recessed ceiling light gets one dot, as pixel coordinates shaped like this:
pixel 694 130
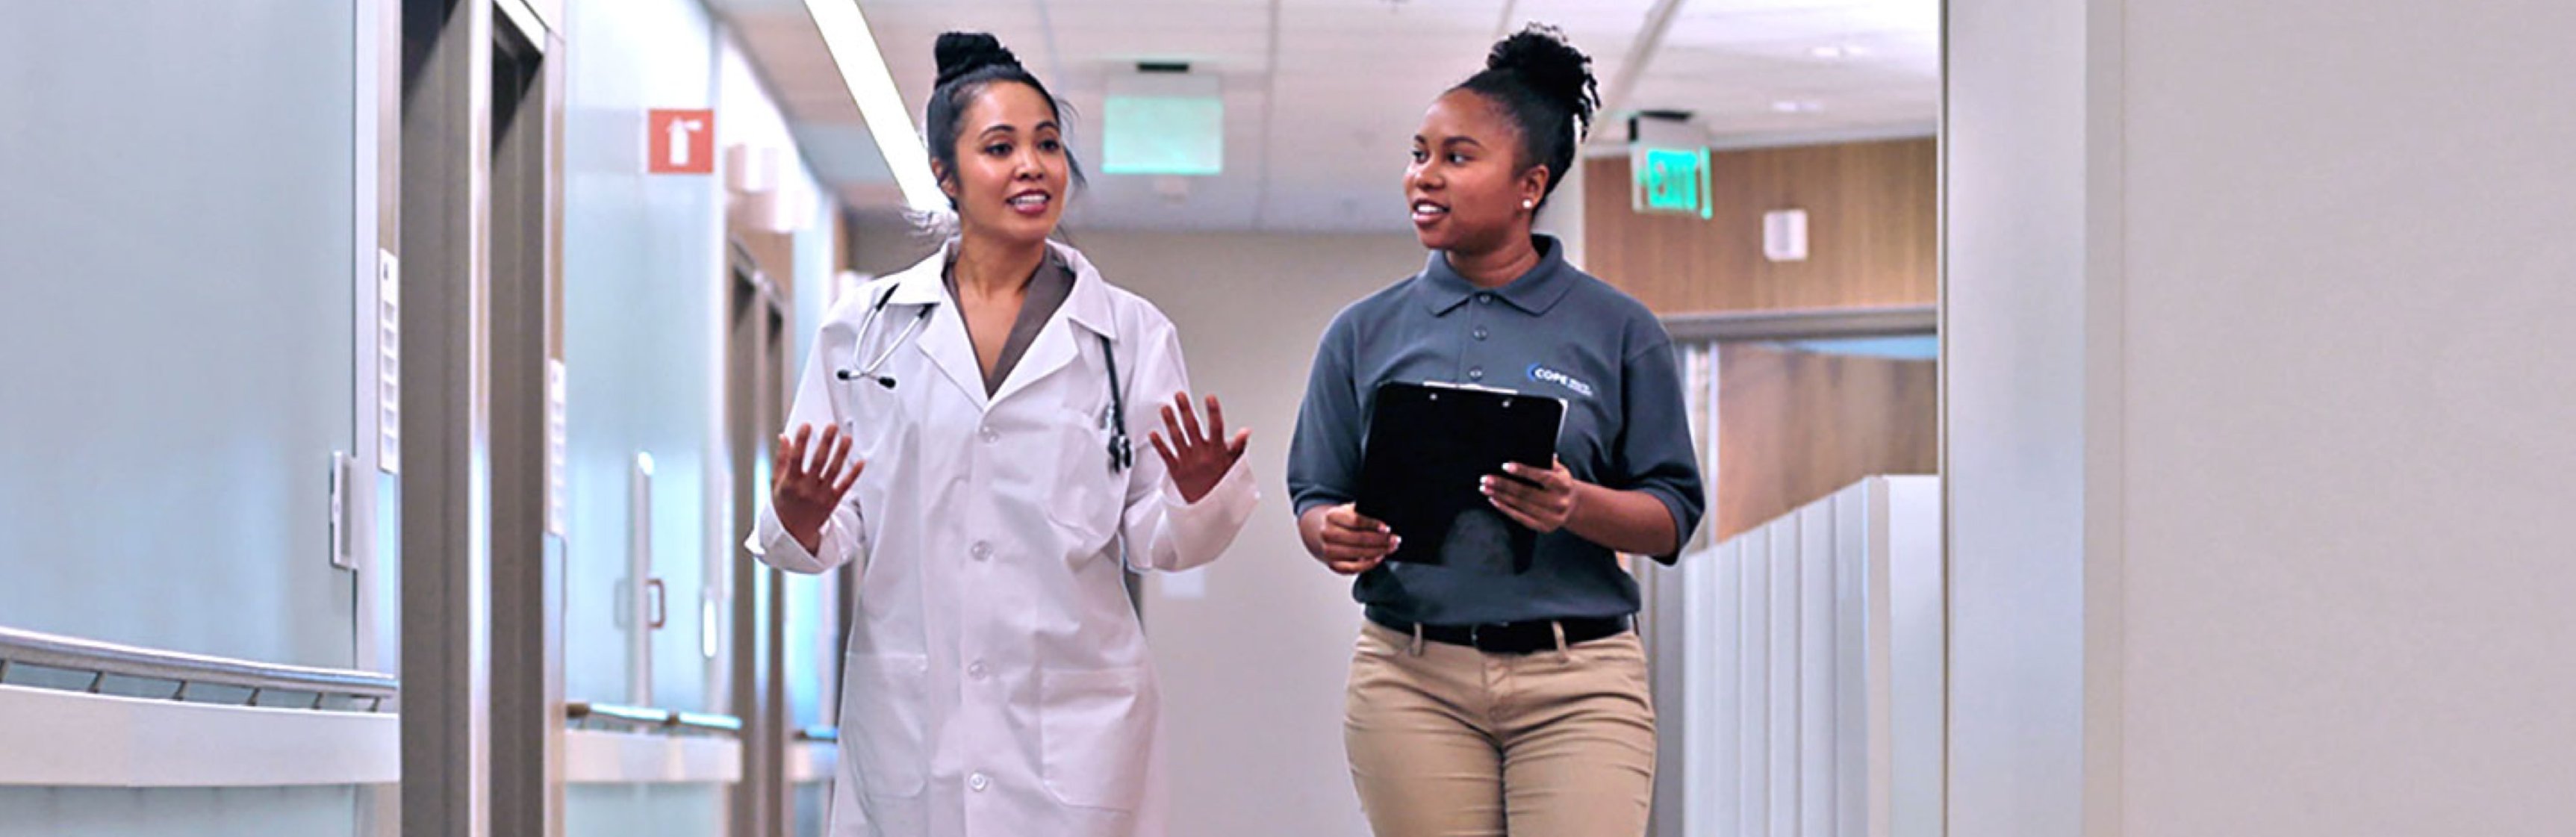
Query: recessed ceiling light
pixel 1837 52
pixel 863 72
pixel 1789 106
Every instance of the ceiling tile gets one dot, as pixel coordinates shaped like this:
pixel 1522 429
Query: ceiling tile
pixel 1319 113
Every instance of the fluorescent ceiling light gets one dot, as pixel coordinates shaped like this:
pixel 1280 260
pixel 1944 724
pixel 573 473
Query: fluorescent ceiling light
pixel 1796 106
pixel 863 71
pixel 1164 123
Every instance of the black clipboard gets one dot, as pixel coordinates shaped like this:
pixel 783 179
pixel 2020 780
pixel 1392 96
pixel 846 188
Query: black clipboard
pixel 1428 448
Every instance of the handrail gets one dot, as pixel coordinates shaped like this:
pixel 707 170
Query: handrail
pixel 23 647
pixel 1804 323
pixel 657 718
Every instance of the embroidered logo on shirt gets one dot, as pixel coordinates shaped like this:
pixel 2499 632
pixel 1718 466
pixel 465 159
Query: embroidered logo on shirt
pixel 1540 373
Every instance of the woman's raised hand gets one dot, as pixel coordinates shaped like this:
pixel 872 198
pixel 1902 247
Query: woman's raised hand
pixel 806 484
pixel 1197 460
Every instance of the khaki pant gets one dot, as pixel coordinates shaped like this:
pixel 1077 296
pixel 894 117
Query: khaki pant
pixel 1449 741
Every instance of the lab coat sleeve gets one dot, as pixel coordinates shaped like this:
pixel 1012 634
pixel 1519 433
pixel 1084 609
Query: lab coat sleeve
pixel 845 534
pixel 1163 531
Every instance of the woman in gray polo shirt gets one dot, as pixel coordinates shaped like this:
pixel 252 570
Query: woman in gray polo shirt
pixel 1482 702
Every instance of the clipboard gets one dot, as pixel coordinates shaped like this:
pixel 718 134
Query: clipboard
pixel 1429 446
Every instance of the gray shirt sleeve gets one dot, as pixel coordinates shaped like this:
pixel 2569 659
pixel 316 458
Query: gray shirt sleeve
pixel 1653 452
pixel 1324 455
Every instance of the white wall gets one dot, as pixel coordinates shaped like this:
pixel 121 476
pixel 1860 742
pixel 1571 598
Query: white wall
pixel 176 360
pixel 1253 669
pixel 2274 293
pixel 180 185
pixel 2349 402
pixel 2014 342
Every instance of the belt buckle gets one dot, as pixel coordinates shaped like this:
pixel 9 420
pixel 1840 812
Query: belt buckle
pixel 1476 636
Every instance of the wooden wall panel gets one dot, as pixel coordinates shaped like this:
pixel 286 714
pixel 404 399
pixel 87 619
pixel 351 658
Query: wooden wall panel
pixel 1872 229
pixel 1795 426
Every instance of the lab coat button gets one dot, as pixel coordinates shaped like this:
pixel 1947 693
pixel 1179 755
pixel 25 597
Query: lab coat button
pixel 978 782
pixel 976 671
pixel 990 436
pixel 1480 332
pixel 982 550
pixel 1476 374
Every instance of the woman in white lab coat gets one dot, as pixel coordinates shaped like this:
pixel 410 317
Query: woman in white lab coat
pixel 961 434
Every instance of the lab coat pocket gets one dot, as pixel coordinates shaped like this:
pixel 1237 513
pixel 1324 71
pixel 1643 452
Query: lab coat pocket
pixel 884 726
pixel 873 419
pixel 1088 505
pixel 1095 732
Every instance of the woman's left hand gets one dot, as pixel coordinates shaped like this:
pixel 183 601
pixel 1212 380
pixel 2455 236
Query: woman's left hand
pixel 1545 506
pixel 1197 461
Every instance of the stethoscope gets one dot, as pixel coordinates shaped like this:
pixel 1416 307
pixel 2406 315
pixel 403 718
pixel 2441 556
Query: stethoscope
pixel 869 371
pixel 1122 454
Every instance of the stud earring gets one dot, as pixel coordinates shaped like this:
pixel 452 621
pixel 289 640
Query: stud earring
pixel 1529 204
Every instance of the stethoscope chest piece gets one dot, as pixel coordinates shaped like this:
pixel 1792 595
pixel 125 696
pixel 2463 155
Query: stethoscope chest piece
pixel 1121 454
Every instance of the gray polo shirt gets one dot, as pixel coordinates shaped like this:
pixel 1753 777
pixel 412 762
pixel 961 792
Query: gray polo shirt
pixel 1555 330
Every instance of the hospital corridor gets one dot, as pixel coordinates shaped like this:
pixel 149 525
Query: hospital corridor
pixel 1287 418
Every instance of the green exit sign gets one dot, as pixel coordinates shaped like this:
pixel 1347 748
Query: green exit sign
pixel 1670 181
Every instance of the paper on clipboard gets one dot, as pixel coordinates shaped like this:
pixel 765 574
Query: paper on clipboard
pixel 1428 448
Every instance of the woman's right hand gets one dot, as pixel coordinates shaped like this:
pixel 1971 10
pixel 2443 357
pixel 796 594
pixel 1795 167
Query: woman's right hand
pixel 1348 542
pixel 803 493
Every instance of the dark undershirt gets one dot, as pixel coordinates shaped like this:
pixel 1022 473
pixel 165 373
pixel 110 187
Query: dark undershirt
pixel 1047 290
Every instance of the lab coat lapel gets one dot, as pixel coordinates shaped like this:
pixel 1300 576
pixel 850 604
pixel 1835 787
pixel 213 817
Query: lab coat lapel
pixel 1085 316
pixel 943 338
pixel 1053 350
pixel 945 341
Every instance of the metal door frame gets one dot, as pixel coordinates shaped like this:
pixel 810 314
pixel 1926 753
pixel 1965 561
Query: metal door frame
pixel 757 318
pixel 525 201
pixel 481 697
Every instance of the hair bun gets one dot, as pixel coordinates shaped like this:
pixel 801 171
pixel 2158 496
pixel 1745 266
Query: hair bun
pixel 1541 57
pixel 960 53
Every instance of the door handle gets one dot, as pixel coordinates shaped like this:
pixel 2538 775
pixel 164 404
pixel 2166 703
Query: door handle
pixel 658 604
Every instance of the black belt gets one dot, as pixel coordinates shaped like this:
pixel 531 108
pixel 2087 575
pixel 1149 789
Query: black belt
pixel 1510 637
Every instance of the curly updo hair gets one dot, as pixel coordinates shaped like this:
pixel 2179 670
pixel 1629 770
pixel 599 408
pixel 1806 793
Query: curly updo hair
pixel 1545 85
pixel 968 63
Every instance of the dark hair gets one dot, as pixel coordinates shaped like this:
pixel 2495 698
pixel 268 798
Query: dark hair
pixel 1545 85
pixel 968 62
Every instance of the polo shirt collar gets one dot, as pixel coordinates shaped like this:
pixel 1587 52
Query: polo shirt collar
pixel 1443 290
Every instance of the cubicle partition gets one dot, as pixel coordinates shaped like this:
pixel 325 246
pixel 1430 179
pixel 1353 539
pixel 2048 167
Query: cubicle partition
pixel 1810 697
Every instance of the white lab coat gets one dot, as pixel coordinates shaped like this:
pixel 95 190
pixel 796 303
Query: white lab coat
pixel 997 681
